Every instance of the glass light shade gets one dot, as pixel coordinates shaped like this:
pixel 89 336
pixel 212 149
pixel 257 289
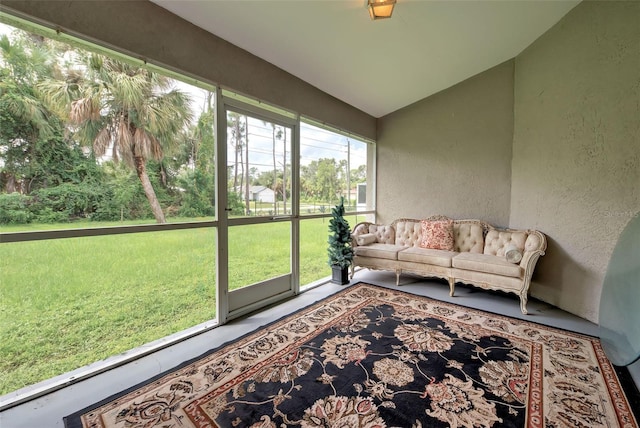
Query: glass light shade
pixel 379 9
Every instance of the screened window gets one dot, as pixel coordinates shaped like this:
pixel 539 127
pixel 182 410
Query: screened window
pixel 107 204
pixel 334 165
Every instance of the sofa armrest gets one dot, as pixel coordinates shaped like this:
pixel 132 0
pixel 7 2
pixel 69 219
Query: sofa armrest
pixel 358 230
pixel 529 260
pixel 535 246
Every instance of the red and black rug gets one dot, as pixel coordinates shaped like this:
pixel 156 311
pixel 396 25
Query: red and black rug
pixel 375 357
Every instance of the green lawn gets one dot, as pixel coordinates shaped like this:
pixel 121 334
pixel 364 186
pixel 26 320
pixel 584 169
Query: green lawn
pixel 66 303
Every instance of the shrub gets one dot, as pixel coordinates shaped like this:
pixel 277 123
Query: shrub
pixel 122 197
pixel 234 202
pixel 14 209
pixel 48 215
pixel 197 194
pixel 65 202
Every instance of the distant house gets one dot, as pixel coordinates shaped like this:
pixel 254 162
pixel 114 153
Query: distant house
pixel 261 194
pixel 348 195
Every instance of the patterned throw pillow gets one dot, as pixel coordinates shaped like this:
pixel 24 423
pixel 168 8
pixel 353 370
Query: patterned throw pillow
pixel 437 234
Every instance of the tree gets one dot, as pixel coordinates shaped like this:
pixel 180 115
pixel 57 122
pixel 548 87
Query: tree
pixel 322 179
pixel 277 133
pixel 236 129
pixel 307 180
pixel 197 145
pixel 238 141
pixel 253 175
pixel 130 111
pixel 195 165
pixel 59 182
pixel 359 175
pixel 24 120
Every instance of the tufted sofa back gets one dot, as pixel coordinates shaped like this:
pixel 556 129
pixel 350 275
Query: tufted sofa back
pixel 497 241
pixel 467 234
pixel 468 237
pixel 384 233
pixel 408 232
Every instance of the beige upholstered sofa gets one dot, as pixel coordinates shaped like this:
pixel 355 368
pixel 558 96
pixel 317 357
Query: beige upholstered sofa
pixel 481 255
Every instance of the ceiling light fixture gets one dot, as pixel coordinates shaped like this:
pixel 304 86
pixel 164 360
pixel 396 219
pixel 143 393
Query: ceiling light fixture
pixel 380 9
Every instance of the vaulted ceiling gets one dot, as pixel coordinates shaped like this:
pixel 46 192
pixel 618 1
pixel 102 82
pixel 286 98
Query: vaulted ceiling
pixel 377 66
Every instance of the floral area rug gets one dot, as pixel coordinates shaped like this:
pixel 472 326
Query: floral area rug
pixel 376 357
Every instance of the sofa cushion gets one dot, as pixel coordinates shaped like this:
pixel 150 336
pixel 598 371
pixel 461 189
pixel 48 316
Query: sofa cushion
pixel 381 251
pixel 437 234
pixel 486 263
pixel 366 239
pixel 427 256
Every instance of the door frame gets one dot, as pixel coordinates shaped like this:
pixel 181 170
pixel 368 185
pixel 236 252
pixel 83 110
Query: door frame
pixel 228 302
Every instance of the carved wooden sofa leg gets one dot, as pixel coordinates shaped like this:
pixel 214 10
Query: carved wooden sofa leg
pixel 398 272
pixel 523 303
pixel 452 286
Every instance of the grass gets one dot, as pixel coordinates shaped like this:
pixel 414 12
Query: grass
pixel 258 252
pixel 69 302
pixel 66 303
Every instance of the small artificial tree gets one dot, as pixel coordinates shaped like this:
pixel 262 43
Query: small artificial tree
pixel 340 251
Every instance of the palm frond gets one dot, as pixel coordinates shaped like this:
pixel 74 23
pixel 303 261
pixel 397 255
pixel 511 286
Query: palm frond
pixel 95 62
pixel 169 113
pixel 131 92
pixel 157 153
pixel 141 144
pixel 87 133
pixel 81 111
pixel 115 154
pixel 102 141
pixel 123 137
pixel 30 110
pixel 113 104
pixel 128 157
pixel 162 84
pixel 57 95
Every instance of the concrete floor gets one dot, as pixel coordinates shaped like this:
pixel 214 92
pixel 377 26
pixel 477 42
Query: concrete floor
pixel 48 410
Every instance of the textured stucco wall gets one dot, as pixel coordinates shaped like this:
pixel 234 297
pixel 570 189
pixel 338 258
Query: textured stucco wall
pixel 450 153
pixel 146 30
pixel 576 151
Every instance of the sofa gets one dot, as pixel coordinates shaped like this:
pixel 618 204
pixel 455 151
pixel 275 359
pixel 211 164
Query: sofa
pixel 467 251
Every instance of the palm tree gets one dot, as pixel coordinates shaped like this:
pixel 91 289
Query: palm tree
pixel 130 111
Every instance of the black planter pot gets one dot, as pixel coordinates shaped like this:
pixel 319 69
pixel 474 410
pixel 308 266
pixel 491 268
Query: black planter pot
pixel 339 275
